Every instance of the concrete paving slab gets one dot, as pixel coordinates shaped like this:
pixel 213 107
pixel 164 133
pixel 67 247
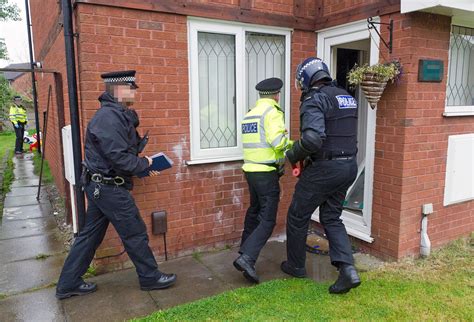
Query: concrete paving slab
pixel 26 227
pixel 24 171
pixel 318 267
pixel 23 191
pixel 191 274
pixel 36 306
pixel 366 262
pixel 274 251
pixel 16 277
pixel 220 264
pixel 268 270
pixel 27 212
pixel 117 298
pixel 18 201
pixel 25 183
pixel 29 247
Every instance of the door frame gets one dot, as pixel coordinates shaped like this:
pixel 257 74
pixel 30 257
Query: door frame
pixel 357 226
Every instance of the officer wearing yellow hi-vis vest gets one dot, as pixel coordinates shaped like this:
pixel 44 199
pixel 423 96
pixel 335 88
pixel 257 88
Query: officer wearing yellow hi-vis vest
pixel 265 140
pixel 19 119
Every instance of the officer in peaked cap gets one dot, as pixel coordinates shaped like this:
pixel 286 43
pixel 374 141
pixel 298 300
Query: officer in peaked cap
pixel 19 119
pixel 112 146
pixel 264 140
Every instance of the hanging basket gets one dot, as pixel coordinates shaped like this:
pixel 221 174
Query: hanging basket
pixel 372 88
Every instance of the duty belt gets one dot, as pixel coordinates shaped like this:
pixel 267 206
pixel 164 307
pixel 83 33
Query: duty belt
pixel 99 178
pixel 330 157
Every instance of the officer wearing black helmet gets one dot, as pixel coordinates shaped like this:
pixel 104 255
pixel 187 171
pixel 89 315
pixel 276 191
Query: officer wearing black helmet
pixel 111 160
pixel 328 143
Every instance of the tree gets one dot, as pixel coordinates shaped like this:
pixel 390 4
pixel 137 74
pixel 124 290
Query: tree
pixel 6 96
pixel 7 12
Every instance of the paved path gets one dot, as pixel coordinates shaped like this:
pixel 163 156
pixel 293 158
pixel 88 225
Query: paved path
pixel 28 230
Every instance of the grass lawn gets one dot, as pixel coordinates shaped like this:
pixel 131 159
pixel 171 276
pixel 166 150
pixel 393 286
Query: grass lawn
pixel 438 288
pixel 7 142
pixel 47 176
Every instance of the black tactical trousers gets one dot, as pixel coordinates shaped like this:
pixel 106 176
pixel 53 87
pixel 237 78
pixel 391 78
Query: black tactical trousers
pixel 19 132
pixel 322 184
pixel 261 215
pixel 115 205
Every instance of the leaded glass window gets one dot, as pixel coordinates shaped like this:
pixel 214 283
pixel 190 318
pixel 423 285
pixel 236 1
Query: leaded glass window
pixel 217 90
pixel 460 90
pixel 264 58
pixel 226 61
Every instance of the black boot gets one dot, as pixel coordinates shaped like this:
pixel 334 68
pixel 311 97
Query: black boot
pixel 165 281
pixel 348 278
pixel 290 270
pixel 83 289
pixel 245 264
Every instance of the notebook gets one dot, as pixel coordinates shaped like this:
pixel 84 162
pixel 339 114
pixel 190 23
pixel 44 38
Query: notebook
pixel 160 162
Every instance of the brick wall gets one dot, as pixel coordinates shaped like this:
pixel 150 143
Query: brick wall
pixel 44 14
pixel 205 203
pixel 22 85
pixel 49 49
pixel 332 7
pixel 411 145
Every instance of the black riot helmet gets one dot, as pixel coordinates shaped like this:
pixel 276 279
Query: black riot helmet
pixel 311 70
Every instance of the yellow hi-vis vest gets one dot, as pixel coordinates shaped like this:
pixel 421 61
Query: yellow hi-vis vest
pixel 264 137
pixel 17 114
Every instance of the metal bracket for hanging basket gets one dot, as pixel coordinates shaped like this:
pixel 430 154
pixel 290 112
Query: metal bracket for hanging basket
pixel 371 25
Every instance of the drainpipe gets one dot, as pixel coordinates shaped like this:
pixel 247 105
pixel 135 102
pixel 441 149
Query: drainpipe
pixel 73 108
pixel 33 78
pixel 425 243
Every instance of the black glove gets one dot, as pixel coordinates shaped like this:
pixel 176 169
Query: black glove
pixel 297 153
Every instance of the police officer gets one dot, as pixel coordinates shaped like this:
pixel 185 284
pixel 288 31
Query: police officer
pixel 19 120
pixel 111 159
pixel 328 125
pixel 264 141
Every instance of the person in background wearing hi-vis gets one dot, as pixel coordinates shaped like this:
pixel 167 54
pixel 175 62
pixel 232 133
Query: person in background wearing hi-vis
pixel 265 140
pixel 19 120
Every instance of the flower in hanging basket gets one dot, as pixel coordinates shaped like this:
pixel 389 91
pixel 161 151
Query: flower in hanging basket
pixel 373 79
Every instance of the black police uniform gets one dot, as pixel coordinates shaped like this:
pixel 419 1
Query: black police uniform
pixel 330 112
pixel 111 149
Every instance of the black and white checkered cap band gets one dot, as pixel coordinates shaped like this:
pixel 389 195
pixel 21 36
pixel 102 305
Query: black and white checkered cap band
pixel 312 62
pixel 127 79
pixel 268 92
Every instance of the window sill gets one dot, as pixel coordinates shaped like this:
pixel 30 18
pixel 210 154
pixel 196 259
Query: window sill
pixel 450 111
pixel 206 161
pixel 451 114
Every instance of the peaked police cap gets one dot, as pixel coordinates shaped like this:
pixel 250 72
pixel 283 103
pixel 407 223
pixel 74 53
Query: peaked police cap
pixel 269 86
pixel 120 78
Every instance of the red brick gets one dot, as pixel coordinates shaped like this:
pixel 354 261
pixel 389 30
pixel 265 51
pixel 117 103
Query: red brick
pixel 411 133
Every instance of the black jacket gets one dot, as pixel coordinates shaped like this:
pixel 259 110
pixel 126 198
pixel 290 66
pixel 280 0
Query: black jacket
pixel 331 112
pixel 111 146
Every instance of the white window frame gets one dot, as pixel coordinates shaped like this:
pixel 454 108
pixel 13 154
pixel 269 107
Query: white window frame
pixel 457 110
pixel 195 25
pixel 356 225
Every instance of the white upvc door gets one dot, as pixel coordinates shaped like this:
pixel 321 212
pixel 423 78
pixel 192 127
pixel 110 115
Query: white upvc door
pixel 356 37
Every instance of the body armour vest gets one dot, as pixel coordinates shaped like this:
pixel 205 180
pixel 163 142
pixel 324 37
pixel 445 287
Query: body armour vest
pixel 340 123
